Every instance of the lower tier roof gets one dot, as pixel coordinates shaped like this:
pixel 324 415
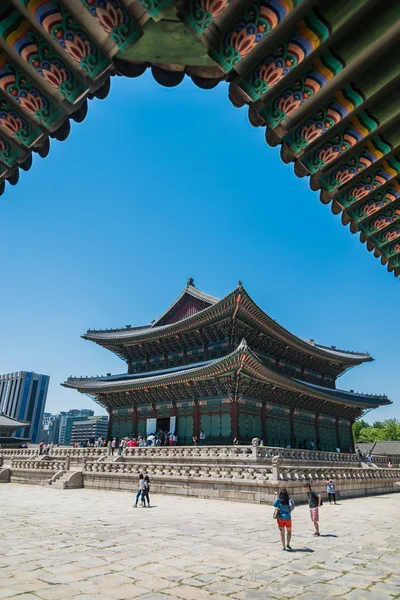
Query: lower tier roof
pixel 242 363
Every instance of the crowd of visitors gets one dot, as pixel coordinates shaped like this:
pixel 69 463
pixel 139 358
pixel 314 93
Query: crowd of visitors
pixel 159 438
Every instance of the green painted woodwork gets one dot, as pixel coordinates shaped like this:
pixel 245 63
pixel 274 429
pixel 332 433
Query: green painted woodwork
pixel 260 18
pixel 278 427
pixel 157 9
pixel 327 436
pixel 58 22
pixel 168 41
pixel 141 427
pixel 345 437
pixel 308 34
pixel 216 426
pixel 184 429
pixel 249 426
pixel 304 429
pixel 329 64
pixel 14 123
pixel 9 152
pixel 33 48
pixel 115 20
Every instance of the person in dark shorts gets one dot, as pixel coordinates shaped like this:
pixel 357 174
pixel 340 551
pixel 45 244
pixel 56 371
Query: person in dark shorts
pixel 284 505
pixel 331 491
pixel 314 502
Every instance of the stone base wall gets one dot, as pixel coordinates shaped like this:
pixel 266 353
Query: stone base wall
pixel 30 476
pixel 240 491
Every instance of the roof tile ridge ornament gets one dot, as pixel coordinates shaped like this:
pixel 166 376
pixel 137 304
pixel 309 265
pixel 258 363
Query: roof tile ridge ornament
pixel 243 345
pixel 190 282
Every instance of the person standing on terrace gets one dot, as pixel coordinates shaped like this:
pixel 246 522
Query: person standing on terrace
pixel 314 502
pixel 283 509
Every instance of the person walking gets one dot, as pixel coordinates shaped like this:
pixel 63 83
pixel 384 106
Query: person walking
pixel 330 488
pixel 113 445
pixel 140 492
pixel 283 509
pixel 146 491
pixel 202 438
pixel 314 502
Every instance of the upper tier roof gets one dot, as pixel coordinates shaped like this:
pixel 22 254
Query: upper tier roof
pixel 328 97
pixel 241 360
pixel 238 303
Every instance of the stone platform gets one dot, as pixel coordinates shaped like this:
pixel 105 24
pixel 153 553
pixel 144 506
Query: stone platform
pixel 86 545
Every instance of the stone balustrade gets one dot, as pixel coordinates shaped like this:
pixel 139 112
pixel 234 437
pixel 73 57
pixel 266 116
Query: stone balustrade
pixel 291 454
pixel 13 452
pixel 45 465
pixel 285 473
pixel 79 452
pixel 190 452
pixel 228 472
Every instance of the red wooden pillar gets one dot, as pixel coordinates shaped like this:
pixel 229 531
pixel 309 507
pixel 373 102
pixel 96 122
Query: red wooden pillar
pixel 234 420
pixel 196 420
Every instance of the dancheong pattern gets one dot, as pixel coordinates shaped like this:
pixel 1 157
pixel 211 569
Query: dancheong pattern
pixel 370 182
pixel 9 153
pixel 287 55
pixel 307 85
pixel 19 34
pixel 360 126
pixel 391 235
pixel 115 20
pixel 392 249
pixel 20 88
pixel 259 19
pixel 55 20
pixel 199 14
pixel 14 124
pixel 380 222
pixel 326 117
pixel 381 199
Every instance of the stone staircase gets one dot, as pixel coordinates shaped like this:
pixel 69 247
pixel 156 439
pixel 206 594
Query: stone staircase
pixel 58 480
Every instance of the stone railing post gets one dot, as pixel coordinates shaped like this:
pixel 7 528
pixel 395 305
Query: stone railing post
pixel 276 468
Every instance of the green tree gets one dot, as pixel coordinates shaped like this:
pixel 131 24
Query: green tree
pixel 380 431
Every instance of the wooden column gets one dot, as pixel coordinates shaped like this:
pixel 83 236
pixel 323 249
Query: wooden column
pixel 153 411
pixel 135 420
pixel 234 420
pixel 196 420
pixel 337 433
pixel 353 446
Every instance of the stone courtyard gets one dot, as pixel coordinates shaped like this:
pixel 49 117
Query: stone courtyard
pixel 83 544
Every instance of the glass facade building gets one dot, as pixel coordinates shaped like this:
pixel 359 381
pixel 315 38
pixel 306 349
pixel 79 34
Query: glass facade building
pixel 23 396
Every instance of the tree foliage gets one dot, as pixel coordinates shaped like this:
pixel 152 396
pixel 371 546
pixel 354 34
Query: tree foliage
pixel 380 431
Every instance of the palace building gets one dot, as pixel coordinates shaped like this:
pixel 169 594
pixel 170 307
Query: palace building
pixel 225 367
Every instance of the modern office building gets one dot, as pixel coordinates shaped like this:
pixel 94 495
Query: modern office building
pixel 66 421
pixel 23 397
pixel 90 429
pixel 50 430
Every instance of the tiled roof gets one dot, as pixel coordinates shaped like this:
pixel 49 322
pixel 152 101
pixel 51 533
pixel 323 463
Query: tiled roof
pixel 10 422
pixel 321 78
pixel 253 367
pixel 388 448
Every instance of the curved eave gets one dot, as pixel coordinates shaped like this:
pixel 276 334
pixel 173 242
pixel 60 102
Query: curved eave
pixel 242 361
pixel 240 299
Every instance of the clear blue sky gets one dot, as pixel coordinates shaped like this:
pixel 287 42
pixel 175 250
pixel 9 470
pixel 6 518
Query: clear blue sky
pixel 159 185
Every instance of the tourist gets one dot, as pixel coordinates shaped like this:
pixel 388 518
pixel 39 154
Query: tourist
pixel 330 488
pixel 195 440
pixel 202 438
pixel 235 441
pixel 314 502
pixel 358 452
pixel 369 457
pixel 140 492
pixel 113 445
pixel 171 439
pixel 390 464
pixel 121 446
pixel 41 445
pixel 146 491
pixel 284 507
pixel 312 445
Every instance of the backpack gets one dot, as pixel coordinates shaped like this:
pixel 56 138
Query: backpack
pixel 292 505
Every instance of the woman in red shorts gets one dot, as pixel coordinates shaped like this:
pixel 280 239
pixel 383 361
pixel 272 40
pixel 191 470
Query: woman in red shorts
pixel 284 519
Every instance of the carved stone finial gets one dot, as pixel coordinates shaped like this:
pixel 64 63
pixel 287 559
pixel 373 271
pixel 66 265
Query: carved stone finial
pixel 190 281
pixel 240 284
